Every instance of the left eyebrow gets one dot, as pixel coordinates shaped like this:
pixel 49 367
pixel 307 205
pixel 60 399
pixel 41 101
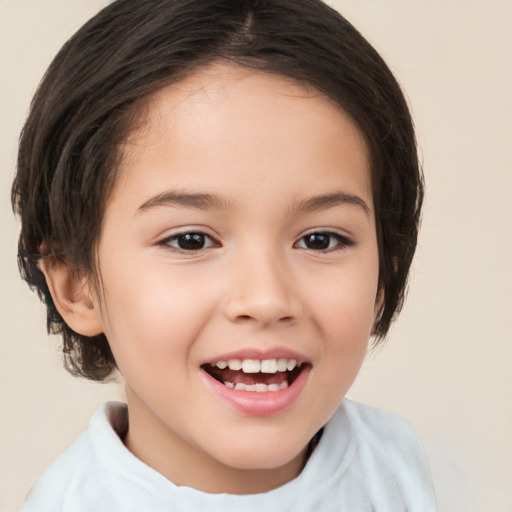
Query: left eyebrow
pixel 203 201
pixel 325 201
pixel 197 201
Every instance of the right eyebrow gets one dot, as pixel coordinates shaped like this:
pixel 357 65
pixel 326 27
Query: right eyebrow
pixel 189 200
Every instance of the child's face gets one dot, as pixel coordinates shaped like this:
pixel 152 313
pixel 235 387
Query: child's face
pixel 251 166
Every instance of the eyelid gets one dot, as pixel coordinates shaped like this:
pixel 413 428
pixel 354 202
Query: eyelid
pixel 183 230
pixel 165 241
pixel 344 241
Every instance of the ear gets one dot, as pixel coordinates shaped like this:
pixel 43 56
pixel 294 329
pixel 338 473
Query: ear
pixel 73 296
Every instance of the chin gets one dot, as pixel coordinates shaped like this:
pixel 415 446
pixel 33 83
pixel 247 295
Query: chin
pixel 257 457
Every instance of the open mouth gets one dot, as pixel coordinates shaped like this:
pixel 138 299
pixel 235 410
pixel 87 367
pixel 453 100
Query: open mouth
pixel 255 375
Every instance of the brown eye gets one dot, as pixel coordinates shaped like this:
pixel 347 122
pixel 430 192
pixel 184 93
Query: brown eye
pixel 317 241
pixel 189 242
pixel 324 241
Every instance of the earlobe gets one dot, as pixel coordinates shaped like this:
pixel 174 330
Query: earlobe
pixel 72 296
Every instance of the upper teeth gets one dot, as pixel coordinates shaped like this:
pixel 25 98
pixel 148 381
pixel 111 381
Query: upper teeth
pixel 256 366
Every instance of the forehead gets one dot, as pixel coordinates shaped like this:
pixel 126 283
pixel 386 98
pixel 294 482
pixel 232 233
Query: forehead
pixel 223 121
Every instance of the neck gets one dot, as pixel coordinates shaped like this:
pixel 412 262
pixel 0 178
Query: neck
pixel 185 465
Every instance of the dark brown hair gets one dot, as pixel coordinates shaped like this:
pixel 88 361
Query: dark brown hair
pixel 91 95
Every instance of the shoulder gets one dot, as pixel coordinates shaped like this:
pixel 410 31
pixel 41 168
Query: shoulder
pixel 51 489
pixel 381 433
pixel 379 424
pixel 80 469
pixel 387 453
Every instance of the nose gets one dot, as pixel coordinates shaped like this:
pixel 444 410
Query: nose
pixel 262 291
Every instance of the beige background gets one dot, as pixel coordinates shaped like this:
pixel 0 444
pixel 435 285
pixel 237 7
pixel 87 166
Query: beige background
pixel 447 365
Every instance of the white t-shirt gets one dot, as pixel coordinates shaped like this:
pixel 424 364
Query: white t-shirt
pixel 367 460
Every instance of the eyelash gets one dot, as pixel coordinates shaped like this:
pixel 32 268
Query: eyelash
pixel 167 242
pixel 341 241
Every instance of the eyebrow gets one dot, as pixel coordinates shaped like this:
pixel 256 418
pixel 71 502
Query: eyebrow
pixel 189 200
pixel 203 201
pixel 325 201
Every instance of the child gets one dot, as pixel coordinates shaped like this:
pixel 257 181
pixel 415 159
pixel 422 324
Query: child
pixel 220 200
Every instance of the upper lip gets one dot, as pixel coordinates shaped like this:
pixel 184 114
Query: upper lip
pixel 260 355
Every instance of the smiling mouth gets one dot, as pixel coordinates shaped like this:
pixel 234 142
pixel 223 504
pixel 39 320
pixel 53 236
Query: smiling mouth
pixel 255 375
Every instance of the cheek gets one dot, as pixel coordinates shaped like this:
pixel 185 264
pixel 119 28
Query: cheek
pixel 345 302
pixel 151 315
pixel 345 311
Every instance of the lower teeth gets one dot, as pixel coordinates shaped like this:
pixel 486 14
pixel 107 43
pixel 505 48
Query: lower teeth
pixel 259 388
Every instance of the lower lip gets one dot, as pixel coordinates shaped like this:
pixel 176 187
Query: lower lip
pixel 254 403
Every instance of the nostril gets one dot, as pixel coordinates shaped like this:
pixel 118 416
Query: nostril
pixel 253 307
pixel 286 319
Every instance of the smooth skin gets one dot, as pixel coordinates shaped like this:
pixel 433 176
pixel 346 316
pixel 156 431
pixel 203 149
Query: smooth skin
pixel 251 164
